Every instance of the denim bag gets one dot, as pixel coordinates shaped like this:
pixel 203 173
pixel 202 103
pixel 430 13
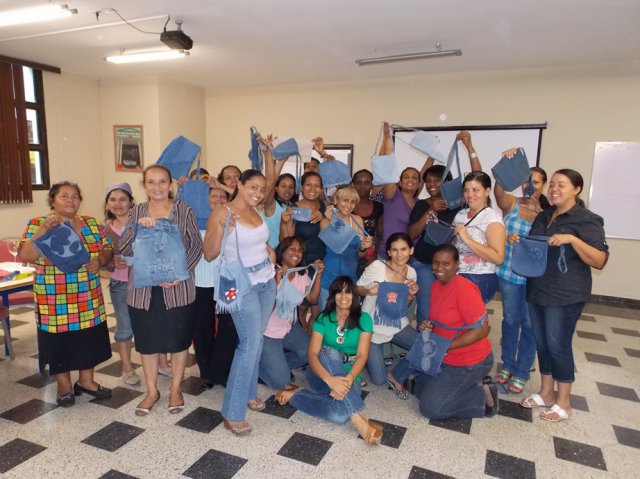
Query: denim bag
pixel 424 142
pixel 301 214
pixel 392 302
pixel 384 167
pixel 255 155
pixel 510 173
pixel 230 280
pixel 438 232
pixel 63 247
pixel 195 193
pixel 284 150
pixel 429 349
pixel 178 156
pixel 288 297
pixel 451 190
pixel 529 256
pixel 338 235
pixel 334 173
pixel 158 255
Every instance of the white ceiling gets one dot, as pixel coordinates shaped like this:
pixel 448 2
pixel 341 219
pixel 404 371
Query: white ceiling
pixel 273 42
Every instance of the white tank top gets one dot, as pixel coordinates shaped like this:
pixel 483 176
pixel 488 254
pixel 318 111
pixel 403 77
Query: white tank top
pixel 252 243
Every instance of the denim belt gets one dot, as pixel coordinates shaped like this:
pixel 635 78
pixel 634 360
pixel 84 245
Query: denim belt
pixel 259 266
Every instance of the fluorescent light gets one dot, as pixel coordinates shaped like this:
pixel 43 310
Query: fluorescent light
pixel 408 56
pixel 147 56
pixel 35 14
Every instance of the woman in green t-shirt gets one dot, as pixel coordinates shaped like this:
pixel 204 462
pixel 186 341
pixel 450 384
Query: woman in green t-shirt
pixel 337 354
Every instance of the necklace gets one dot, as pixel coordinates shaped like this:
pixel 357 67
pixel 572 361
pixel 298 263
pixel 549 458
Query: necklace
pixel 340 330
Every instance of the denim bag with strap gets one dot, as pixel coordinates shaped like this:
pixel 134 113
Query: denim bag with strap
pixel 424 142
pixel 255 154
pixel 428 349
pixel 301 214
pixel 510 173
pixel 63 247
pixel 529 256
pixel 334 173
pixel 438 232
pixel 338 235
pixel 384 167
pixel 392 302
pixel 284 150
pixel 288 297
pixel 178 156
pixel 451 190
pixel 230 280
pixel 158 255
pixel 195 193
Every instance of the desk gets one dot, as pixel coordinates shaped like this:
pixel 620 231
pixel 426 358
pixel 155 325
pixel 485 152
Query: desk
pixel 10 287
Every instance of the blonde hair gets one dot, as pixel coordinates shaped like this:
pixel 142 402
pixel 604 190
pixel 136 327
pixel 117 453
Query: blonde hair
pixel 348 193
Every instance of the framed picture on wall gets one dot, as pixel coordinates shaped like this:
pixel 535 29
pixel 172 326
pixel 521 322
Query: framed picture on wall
pixel 128 142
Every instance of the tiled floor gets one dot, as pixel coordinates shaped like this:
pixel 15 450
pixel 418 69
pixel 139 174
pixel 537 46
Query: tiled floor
pixel 104 439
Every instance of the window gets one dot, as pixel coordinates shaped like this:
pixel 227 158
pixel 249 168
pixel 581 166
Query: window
pixel 36 128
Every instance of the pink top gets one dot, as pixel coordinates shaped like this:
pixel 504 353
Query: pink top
pixel 278 327
pixel 121 274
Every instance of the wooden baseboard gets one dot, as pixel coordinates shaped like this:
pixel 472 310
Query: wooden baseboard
pixel 615 301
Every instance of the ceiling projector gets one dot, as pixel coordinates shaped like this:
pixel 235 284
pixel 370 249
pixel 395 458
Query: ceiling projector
pixel 176 40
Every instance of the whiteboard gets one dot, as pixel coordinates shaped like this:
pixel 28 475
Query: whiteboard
pixel 489 142
pixel 614 188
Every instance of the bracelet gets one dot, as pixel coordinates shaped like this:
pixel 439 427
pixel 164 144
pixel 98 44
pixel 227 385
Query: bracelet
pixel 473 155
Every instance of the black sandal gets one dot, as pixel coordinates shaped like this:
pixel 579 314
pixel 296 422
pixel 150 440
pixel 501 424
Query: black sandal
pixel 400 393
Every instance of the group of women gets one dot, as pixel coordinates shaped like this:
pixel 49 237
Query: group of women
pixel 299 300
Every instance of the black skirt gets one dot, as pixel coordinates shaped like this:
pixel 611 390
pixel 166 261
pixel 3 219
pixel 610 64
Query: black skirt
pixel 74 350
pixel 162 330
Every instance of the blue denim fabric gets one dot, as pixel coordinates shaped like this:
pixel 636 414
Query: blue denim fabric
pixel 178 156
pixel 284 150
pixel 451 190
pixel 425 278
pixel 255 155
pixel 338 235
pixel 529 256
pixel 456 392
pixel 376 367
pixel 280 356
pixel 385 169
pixel 318 403
pixel 334 173
pixel 510 173
pixel 159 255
pixel 195 193
pixel 118 292
pixel 518 341
pixel 322 298
pixel 301 214
pixel 63 247
pixel 392 302
pixel 553 327
pixel 250 321
pixel 486 283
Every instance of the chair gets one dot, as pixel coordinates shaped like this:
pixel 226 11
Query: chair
pixel 4 315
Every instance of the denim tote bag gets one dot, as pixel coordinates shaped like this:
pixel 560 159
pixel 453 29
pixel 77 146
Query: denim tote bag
pixel 63 247
pixel 529 256
pixel 158 255
pixel 384 167
pixel 451 190
pixel 178 156
pixel 425 143
pixel 255 154
pixel 334 173
pixel 285 149
pixel 288 297
pixel 301 214
pixel 438 232
pixel 338 235
pixel 510 173
pixel 195 193
pixel 392 302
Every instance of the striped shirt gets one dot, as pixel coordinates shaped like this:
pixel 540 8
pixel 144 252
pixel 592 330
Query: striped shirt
pixel 514 224
pixel 184 292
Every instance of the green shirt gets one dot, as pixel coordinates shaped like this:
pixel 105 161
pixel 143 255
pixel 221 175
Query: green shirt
pixel 327 326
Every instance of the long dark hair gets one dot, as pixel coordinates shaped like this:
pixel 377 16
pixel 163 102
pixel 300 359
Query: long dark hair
pixel 294 198
pixel 339 284
pixel 576 180
pixel 543 200
pixel 408 168
pixel 244 177
pixel 482 178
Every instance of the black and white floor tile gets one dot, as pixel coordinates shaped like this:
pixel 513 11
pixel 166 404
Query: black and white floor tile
pixel 105 439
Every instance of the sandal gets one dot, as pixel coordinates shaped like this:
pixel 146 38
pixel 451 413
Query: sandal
pixel 283 396
pixel 534 401
pixel 239 428
pixel 516 385
pixel 400 393
pixel 555 414
pixel 177 407
pixel 502 377
pixel 256 404
pixel 143 411
pixel 372 434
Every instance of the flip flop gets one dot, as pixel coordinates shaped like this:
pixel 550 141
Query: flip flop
pixel 502 377
pixel 534 401
pixel 516 385
pixel 555 414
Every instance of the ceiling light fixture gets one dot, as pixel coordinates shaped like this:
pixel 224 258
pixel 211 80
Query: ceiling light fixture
pixel 35 14
pixel 410 56
pixel 147 56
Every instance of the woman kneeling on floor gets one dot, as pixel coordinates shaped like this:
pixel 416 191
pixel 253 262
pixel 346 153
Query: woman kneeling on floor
pixel 337 354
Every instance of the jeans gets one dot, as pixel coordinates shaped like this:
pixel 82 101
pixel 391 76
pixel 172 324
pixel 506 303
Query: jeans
pixel 553 327
pixel 118 293
pixel 425 279
pixel 456 392
pixel 322 298
pixel 518 341
pixel 318 403
pixel 375 362
pixel 280 356
pixel 487 283
pixel 250 321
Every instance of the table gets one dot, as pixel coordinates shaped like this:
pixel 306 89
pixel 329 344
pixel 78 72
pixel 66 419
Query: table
pixel 10 287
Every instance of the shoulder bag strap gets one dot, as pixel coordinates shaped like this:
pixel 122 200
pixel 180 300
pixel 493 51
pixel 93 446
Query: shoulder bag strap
pixel 474 216
pixel 453 152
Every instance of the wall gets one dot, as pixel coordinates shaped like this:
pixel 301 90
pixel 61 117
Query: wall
pixel 582 105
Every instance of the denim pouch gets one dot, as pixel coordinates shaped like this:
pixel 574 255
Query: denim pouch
pixel 338 235
pixel 195 193
pixel 158 255
pixel 529 256
pixel 334 173
pixel 438 232
pixel 301 214
pixel 285 149
pixel 288 297
pixel 427 144
pixel 510 173
pixel 392 302
pixel 178 156
pixel 255 155
pixel 385 169
pixel 63 247
pixel 451 190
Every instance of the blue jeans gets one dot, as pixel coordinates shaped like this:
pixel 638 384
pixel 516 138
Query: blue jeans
pixel 280 356
pixel 553 327
pixel 318 403
pixel 455 392
pixel 322 298
pixel 487 283
pixel 425 279
pixel 118 293
pixel 250 321
pixel 518 341
pixel 375 362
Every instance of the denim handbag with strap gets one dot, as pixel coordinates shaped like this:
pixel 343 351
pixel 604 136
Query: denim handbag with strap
pixel 284 150
pixel 288 297
pixel 425 143
pixel 384 167
pixel 429 349
pixel 178 156
pixel 301 214
pixel 510 173
pixel 63 247
pixel 392 302
pixel 158 255
pixel 438 232
pixel 451 190
pixel 195 193
pixel 334 173
pixel 255 154
pixel 338 234
pixel 529 256
pixel 230 280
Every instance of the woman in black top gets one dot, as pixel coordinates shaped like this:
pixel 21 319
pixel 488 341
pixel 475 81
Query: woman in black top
pixel 371 213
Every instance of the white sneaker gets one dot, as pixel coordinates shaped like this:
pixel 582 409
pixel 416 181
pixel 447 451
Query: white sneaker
pixel 131 378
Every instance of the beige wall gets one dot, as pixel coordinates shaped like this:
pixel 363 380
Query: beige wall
pixel 582 105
